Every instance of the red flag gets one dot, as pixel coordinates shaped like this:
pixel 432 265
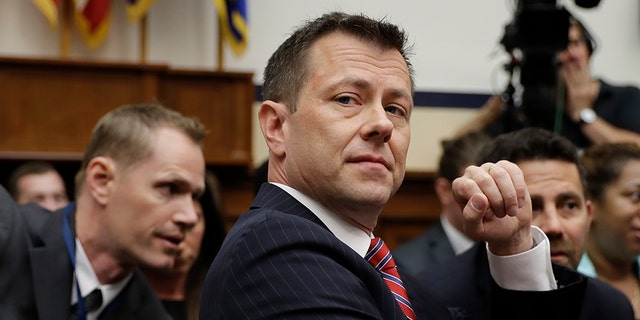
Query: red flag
pixel 92 18
pixel 50 10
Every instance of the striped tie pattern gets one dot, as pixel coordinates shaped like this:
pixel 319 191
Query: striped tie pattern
pixel 380 257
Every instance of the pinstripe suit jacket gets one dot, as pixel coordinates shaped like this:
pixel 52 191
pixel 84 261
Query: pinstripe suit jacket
pixel 36 275
pixel 279 261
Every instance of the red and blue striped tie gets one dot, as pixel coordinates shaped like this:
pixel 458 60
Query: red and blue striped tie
pixel 380 257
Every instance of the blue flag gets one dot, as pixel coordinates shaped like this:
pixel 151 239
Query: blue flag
pixel 233 23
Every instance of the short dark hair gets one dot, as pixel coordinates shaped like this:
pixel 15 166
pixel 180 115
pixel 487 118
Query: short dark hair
pixel 287 67
pixel 604 163
pixel 460 152
pixel 27 168
pixel 533 143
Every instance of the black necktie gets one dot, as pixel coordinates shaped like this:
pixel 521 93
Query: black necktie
pixel 92 302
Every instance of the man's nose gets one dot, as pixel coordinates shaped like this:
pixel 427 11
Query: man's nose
pixel 378 125
pixel 187 214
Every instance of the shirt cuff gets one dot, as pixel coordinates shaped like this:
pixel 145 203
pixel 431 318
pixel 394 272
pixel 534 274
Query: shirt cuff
pixel 527 271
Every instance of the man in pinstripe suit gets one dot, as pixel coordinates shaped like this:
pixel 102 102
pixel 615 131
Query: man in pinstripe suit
pixel 338 99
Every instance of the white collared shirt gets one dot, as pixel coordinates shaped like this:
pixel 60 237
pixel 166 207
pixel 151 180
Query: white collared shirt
pixel 529 270
pixel 88 281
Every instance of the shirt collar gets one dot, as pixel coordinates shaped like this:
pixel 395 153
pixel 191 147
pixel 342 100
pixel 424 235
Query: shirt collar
pixel 355 238
pixel 88 281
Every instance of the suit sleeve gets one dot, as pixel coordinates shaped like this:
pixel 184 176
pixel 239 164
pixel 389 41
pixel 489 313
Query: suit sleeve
pixel 577 297
pixel 15 296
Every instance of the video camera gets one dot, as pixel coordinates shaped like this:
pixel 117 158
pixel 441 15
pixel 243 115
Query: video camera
pixel 538 32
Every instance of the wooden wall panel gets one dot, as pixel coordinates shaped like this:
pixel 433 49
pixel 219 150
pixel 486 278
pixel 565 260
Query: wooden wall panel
pixel 52 105
pixel 218 99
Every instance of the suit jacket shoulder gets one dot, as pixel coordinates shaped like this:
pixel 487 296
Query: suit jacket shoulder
pixel 279 261
pixel 37 280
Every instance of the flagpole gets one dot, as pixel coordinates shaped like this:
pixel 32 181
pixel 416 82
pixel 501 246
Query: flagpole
pixel 220 46
pixel 143 38
pixel 65 30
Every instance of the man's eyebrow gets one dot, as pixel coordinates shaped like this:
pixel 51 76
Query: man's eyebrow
pixel 364 84
pixel 351 80
pixel 568 195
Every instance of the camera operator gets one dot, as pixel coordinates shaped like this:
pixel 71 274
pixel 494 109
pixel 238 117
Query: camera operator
pixel 594 110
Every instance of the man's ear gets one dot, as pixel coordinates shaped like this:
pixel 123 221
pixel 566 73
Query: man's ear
pixel 591 208
pixel 443 187
pixel 273 117
pixel 100 174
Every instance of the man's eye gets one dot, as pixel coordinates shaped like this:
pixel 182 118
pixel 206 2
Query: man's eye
pixel 345 99
pixel 394 110
pixel 571 205
pixel 169 189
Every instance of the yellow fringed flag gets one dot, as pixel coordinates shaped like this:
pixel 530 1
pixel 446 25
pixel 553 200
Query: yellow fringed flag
pixel 50 10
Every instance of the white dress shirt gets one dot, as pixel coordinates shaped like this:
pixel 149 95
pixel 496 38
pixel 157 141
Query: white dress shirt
pixel 88 281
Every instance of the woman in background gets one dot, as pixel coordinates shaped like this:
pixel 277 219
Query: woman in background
pixel 613 246
pixel 180 288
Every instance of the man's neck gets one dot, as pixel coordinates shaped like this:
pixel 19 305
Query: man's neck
pixel 99 253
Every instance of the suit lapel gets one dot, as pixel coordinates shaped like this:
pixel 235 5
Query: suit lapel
pixel 52 270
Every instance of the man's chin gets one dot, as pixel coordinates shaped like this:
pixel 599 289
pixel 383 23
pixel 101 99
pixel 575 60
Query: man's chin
pixel 164 262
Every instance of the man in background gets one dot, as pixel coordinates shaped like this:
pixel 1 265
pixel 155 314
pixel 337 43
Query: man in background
pixel 595 111
pixel 136 187
pixel 555 178
pixel 38 182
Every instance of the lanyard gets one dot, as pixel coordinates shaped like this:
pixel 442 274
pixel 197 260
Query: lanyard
pixel 71 248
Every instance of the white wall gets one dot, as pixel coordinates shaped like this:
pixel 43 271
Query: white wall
pixel 456 45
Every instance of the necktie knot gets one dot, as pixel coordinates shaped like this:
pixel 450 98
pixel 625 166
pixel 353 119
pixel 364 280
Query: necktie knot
pixel 380 258
pixel 91 302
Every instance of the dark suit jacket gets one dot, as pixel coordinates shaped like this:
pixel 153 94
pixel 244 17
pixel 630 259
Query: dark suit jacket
pixel 279 261
pixel 465 284
pixel 36 276
pixel 428 250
